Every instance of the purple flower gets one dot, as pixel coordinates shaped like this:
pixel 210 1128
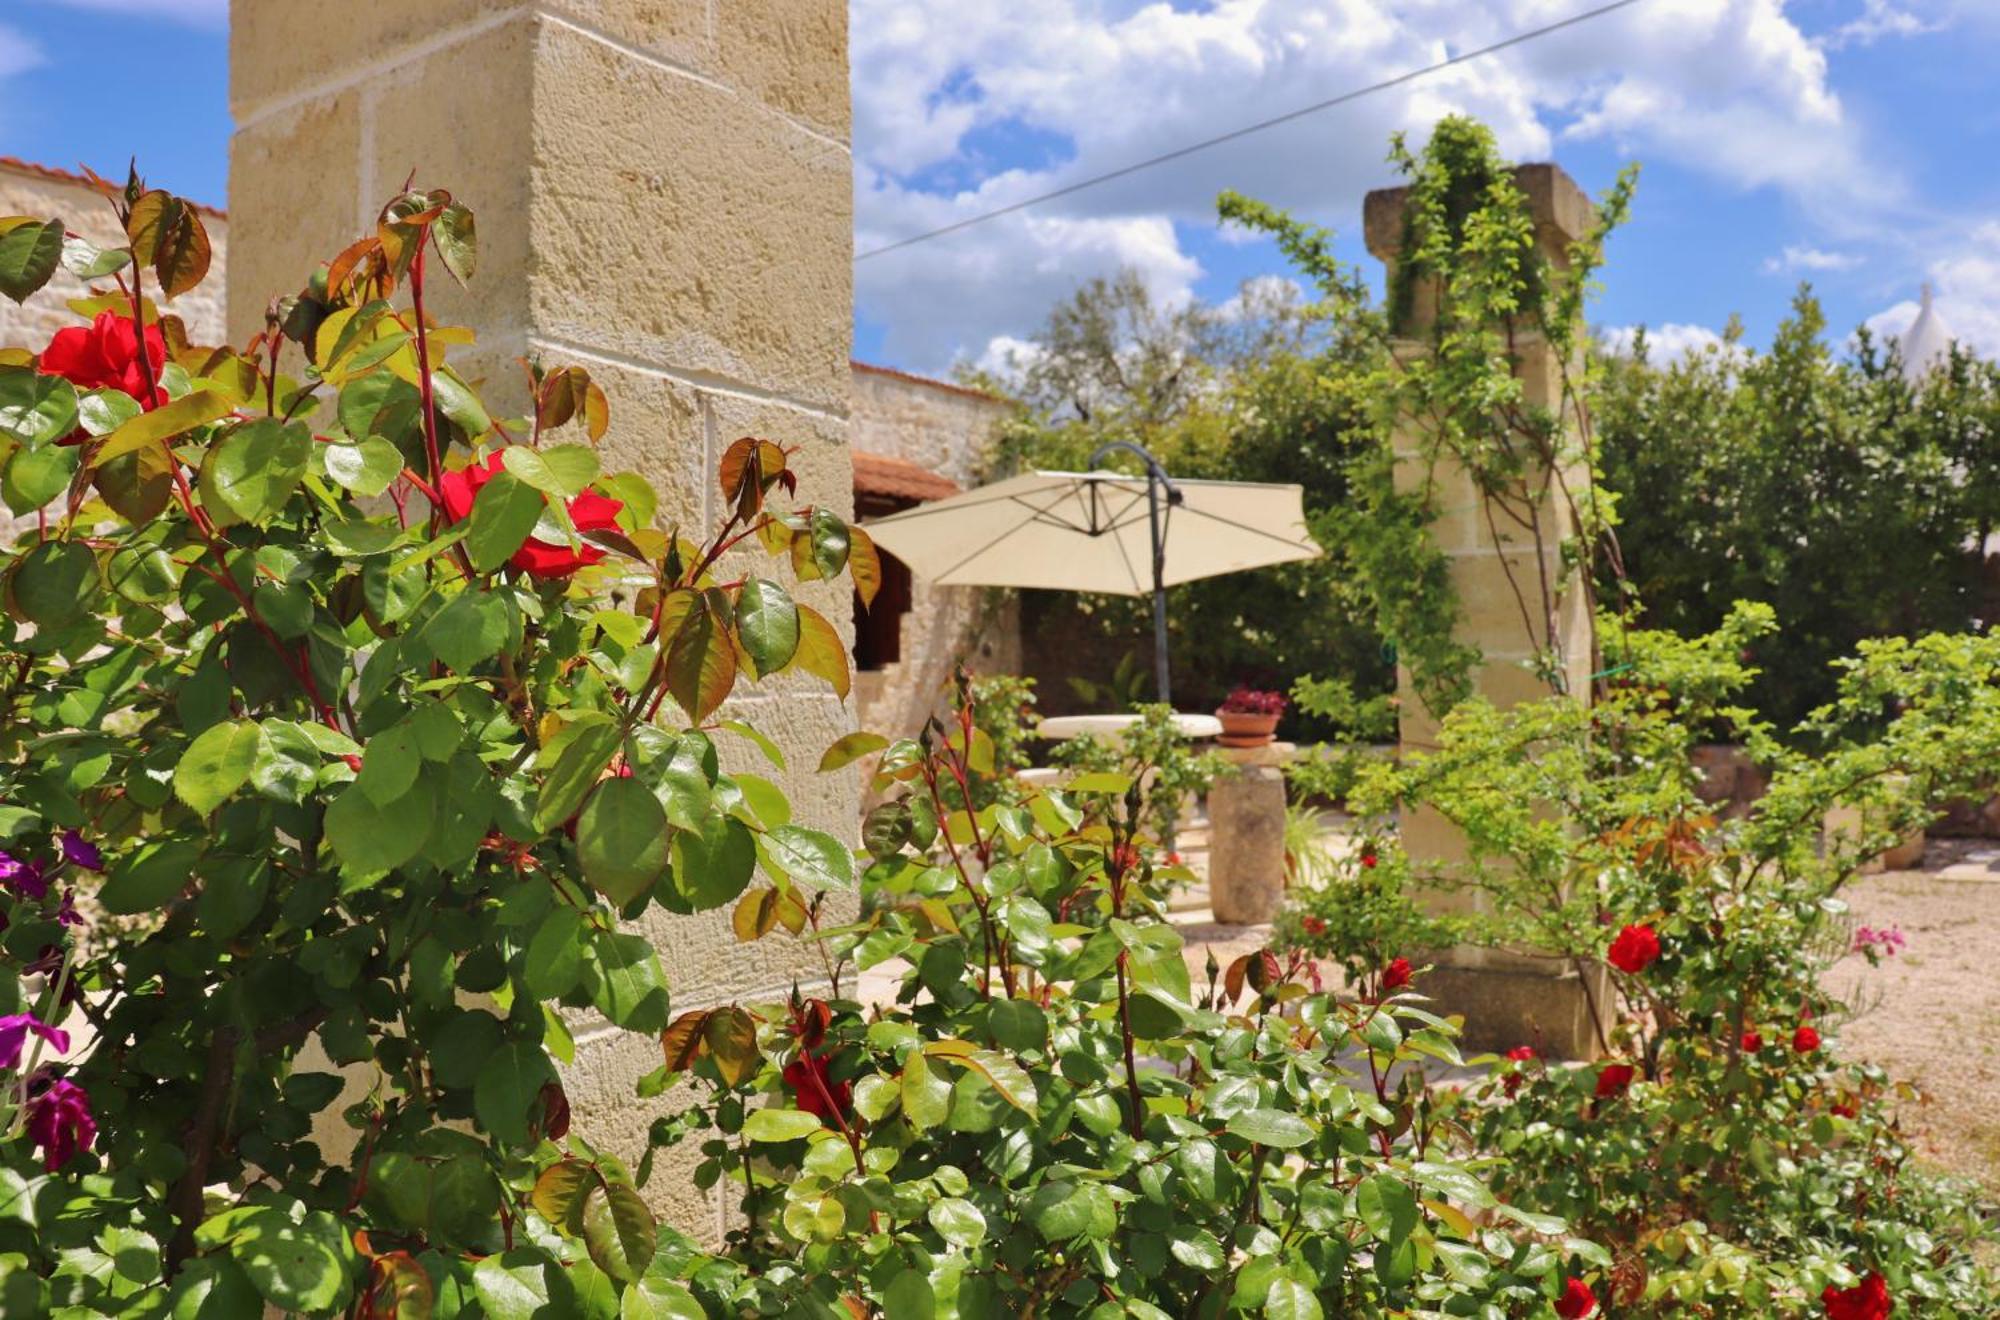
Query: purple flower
pixel 67 913
pixel 14 1029
pixel 78 851
pixel 59 1121
pixel 24 878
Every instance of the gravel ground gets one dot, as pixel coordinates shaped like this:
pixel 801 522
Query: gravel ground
pixel 1931 1014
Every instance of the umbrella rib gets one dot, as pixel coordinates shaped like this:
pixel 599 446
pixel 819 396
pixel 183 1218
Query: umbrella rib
pixel 955 504
pixel 1029 522
pixel 1243 527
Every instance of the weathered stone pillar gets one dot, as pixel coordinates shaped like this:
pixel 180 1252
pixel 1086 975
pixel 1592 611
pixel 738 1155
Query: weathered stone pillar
pixel 664 196
pixel 1508 997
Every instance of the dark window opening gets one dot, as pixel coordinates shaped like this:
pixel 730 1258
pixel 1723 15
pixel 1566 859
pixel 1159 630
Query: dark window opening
pixel 878 628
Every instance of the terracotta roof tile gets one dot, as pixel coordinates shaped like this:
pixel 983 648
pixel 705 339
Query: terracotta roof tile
pixel 55 175
pixel 898 478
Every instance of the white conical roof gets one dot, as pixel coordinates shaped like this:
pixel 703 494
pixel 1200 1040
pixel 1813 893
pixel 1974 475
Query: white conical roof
pixel 1927 342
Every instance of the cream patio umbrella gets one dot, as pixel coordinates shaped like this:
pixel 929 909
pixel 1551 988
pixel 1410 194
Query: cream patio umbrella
pixel 1103 532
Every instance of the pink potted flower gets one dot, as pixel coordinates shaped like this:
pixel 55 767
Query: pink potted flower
pixel 1250 718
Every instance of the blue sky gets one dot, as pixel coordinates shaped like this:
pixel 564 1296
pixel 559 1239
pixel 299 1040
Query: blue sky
pixel 1845 141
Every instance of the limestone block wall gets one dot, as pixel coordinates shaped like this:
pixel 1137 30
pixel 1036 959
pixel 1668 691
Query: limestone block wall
pixel 664 195
pixel 945 429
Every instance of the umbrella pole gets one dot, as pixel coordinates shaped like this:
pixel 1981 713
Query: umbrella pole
pixel 1159 489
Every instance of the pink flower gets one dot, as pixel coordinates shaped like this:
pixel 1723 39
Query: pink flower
pixel 1635 949
pixel 14 1030
pixel 59 1122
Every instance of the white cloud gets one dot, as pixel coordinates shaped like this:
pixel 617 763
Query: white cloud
pixel 17 53
pixel 1664 343
pixel 1878 19
pixel 198 13
pixel 1730 88
pixel 1817 260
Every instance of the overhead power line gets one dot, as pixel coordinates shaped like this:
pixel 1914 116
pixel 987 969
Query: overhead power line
pixel 1386 84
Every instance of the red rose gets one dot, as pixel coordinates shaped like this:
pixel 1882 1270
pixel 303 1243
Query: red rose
pixel 105 355
pixel 1396 975
pixel 1577 1300
pixel 816 1092
pixel 589 512
pixel 1368 860
pixel 1752 1042
pixel 1614 1079
pixel 1635 949
pixel 1867 1300
pixel 1522 1053
pixel 1313 925
pixel 1805 1040
pixel 1844 1108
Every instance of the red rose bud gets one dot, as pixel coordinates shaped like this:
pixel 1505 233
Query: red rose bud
pixel 1396 975
pixel 1844 1108
pixel 1577 1300
pixel 1867 1300
pixel 1312 925
pixel 1752 1042
pixel 1805 1040
pixel 1635 949
pixel 1368 860
pixel 1614 1079
pixel 816 1092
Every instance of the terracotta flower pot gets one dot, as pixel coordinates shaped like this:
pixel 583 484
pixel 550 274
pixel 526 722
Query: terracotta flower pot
pixel 1243 729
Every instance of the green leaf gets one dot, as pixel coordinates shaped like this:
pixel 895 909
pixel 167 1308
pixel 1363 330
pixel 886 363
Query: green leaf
pixel 851 749
pixel 655 1298
pixel 52 583
pixel 249 474
pixel 772 752
pixel 469 630
pixel 522 1284
pixel 958 1221
pixel 1018 1024
pixel 1387 1206
pixel 713 863
pixel 701 662
pixel 623 976
pixel 233 891
pixel 216 764
pixel 926 1094
pixel 1270 1127
pixel 810 857
pixel 149 876
pixel 509 1088
pixel 1062 1210
pixel 503 514
pixel 560 470
pixel 369 836
pixel 213 1288
pixel 554 957
pixel 87 261
pixel 1288 1299
pixel 457 241
pixel 296 1267
pixel 909 1296
pixel 767 623
pixel 36 476
pixel 579 765
pixel 36 409
pixel 389 764
pixel 456 400
pixel 166 421
pixel 780 1124
pixel 1005 1076
pixel 621 839
pixel 366 468
pixel 619 1232
pixel 1102 781
pixel 29 254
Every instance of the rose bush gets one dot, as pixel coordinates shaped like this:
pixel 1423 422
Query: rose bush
pixel 1730 1159
pixel 332 778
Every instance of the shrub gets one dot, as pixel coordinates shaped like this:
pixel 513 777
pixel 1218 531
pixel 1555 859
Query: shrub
pixel 332 780
pixel 1249 701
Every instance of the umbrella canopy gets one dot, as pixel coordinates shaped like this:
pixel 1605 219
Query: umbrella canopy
pixel 1101 531
pixel 1090 531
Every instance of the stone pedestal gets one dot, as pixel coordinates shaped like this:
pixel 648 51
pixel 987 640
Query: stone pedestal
pixel 1496 563
pixel 664 196
pixel 1246 833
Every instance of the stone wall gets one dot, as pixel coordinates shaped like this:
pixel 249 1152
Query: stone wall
pixel 948 430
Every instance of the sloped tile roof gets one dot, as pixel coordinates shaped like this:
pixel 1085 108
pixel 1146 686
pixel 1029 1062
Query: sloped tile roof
pixel 899 479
